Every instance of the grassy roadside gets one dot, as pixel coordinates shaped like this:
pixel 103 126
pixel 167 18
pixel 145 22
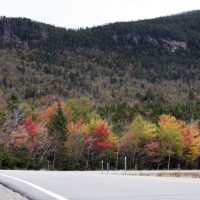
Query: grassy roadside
pixel 173 174
pixel 158 173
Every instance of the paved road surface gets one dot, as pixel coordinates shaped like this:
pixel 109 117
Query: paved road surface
pixel 42 185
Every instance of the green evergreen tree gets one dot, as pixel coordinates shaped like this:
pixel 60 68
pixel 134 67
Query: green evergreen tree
pixel 59 133
pixel 13 101
pixel 59 124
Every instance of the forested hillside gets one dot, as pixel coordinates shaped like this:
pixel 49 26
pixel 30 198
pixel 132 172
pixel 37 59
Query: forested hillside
pixel 151 60
pixel 72 98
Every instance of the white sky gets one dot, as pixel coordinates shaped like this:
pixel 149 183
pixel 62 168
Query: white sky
pixel 82 13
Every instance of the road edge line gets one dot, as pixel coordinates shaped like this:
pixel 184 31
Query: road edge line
pixel 52 194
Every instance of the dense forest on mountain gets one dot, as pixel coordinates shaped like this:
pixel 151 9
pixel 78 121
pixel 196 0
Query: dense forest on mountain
pixel 150 60
pixel 72 98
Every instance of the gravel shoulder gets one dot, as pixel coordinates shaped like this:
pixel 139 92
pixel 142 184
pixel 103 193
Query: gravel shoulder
pixel 7 194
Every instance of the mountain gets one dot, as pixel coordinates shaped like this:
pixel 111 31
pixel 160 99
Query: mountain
pixel 150 60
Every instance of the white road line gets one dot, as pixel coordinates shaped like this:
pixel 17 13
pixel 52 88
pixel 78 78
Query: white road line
pixel 52 194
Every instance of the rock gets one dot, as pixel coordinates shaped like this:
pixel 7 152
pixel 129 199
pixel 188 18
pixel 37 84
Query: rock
pixel 173 45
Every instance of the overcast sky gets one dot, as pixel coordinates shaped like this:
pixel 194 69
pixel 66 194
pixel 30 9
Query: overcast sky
pixel 82 13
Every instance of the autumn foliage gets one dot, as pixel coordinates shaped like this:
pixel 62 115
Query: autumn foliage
pixel 31 127
pixel 101 135
pixel 72 135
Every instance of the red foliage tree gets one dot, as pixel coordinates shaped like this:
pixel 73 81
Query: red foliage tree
pixel 153 152
pixel 152 149
pixel 101 135
pixel 31 127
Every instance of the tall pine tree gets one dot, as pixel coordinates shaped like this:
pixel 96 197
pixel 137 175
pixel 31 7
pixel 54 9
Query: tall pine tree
pixel 59 124
pixel 58 130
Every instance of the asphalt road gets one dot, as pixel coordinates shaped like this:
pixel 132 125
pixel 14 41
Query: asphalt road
pixel 42 185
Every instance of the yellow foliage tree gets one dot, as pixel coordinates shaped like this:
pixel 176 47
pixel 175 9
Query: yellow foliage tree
pixel 170 136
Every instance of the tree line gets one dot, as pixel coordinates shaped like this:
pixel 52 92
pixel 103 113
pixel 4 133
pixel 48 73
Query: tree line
pixel 74 134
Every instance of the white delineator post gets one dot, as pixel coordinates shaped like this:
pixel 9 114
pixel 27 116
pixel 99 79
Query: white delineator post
pixel 107 167
pixel 125 164
pixel 102 166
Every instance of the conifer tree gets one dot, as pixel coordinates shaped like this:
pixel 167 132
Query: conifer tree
pixel 58 130
pixel 59 124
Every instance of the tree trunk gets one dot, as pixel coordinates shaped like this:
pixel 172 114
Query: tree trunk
pixel 169 159
pixel 117 160
pixel 54 156
pixel 134 157
pixel 87 162
pixel 158 167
